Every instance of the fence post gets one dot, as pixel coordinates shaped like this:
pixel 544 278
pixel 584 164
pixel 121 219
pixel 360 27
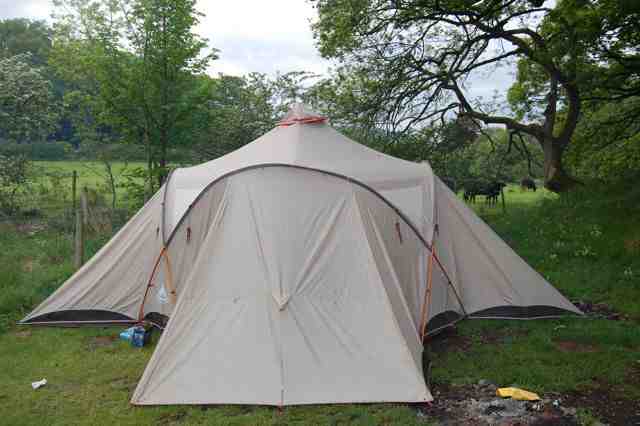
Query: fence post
pixel 78 258
pixel 73 190
pixel 85 208
pixel 504 206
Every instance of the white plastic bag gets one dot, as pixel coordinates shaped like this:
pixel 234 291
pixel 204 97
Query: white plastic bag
pixel 38 384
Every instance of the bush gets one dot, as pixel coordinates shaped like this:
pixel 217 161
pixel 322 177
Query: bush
pixel 14 182
pixel 38 150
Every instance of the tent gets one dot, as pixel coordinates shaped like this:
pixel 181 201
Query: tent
pixel 302 268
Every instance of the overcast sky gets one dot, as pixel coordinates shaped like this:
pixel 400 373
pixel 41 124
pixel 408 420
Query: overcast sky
pixel 259 35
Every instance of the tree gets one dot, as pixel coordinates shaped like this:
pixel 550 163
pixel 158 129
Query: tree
pixel 232 111
pixel 161 32
pixel 410 60
pixel 20 36
pixel 133 64
pixel 27 108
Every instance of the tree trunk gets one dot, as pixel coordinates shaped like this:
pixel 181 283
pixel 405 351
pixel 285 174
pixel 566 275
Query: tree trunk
pixel 164 142
pixel 556 179
pixel 149 191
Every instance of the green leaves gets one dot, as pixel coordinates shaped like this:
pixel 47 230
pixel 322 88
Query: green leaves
pixel 27 107
pixel 132 67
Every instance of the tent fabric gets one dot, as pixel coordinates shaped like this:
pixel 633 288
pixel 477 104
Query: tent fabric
pixel 302 268
pixel 314 306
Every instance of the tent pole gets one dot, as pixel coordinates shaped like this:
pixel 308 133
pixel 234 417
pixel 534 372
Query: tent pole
pixel 150 283
pixel 427 295
pixel 172 289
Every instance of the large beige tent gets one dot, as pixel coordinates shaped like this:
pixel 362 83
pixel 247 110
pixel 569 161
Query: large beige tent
pixel 302 268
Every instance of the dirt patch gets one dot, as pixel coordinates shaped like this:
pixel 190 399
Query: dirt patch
pixel 27 265
pixel 632 245
pixel 30 228
pixel 478 405
pixel 606 405
pixel 609 402
pixel 172 418
pixel 23 334
pixel 571 346
pixel 100 342
pixel 449 340
pixel 599 310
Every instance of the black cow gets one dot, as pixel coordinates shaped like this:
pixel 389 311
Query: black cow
pixel 471 189
pixel 490 191
pixel 528 183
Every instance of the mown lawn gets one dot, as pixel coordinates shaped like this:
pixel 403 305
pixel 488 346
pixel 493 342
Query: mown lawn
pixel 588 246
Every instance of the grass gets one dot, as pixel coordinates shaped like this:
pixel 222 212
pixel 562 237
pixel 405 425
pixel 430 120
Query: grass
pixel 588 246
pixel 91 383
pixel 90 173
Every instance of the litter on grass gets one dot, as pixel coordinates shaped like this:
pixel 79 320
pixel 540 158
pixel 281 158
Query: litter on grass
pixel 38 384
pixel 137 335
pixel 517 393
pixel 127 334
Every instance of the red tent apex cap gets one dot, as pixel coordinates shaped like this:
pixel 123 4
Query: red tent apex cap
pixel 299 113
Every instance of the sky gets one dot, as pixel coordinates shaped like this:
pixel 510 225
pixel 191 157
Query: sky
pixel 260 35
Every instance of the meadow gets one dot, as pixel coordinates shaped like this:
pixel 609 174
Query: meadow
pixel 586 244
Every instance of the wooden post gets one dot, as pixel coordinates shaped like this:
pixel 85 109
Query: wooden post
pixel 504 206
pixel 79 241
pixel 84 196
pixel 73 189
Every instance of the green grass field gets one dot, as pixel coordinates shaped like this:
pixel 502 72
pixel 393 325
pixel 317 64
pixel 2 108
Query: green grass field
pixel 588 246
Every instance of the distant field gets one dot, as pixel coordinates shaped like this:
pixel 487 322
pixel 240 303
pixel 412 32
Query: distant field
pixel 90 173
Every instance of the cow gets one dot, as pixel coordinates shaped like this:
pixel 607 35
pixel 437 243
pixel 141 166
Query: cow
pixel 490 191
pixel 471 189
pixel 528 183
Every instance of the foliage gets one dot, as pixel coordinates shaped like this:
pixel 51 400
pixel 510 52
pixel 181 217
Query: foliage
pixel 136 184
pixel 27 111
pixel 233 111
pixel 22 36
pixel 14 182
pixel 38 150
pixel 607 142
pixel 133 66
pixel 410 60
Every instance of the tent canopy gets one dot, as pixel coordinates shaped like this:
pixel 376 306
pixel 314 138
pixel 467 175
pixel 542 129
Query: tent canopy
pixel 301 268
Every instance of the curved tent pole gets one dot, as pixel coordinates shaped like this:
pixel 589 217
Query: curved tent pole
pixel 326 172
pixel 150 283
pixel 426 304
pixel 172 289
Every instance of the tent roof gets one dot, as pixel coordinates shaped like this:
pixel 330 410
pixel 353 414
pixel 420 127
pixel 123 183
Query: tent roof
pixel 315 145
pixel 303 139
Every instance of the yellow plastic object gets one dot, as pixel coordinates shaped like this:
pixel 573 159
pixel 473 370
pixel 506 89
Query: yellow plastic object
pixel 516 393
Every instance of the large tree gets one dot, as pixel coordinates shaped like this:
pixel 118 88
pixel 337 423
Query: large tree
pixel 133 65
pixel 409 61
